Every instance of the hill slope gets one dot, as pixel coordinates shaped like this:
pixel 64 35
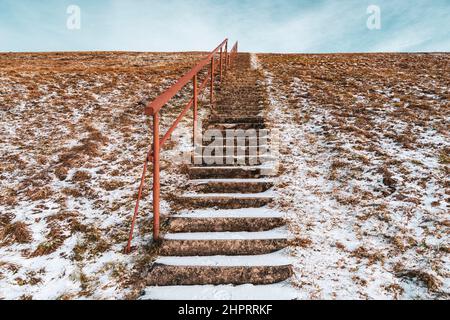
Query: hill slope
pixel 364 159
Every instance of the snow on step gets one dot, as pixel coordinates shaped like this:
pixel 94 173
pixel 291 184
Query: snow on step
pixel 275 234
pixel 236 171
pixel 279 291
pixel 233 213
pixel 237 146
pixel 262 195
pixel 279 258
pixel 248 168
pixel 224 157
pixel 232 180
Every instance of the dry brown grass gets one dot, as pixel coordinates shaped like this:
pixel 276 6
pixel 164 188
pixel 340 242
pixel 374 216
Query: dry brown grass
pixel 36 194
pixel 112 185
pixel 93 243
pixel 5 219
pixel 68 221
pixel 431 282
pixel 17 232
pixel 301 242
pixel 444 157
pixel 81 176
pixel 54 239
pixel 370 255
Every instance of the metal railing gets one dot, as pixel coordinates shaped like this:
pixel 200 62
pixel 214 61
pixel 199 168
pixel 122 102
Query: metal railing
pixel 224 62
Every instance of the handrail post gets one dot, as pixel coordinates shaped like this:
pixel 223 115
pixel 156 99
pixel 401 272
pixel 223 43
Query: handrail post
pixel 221 63
pixel 156 181
pixel 195 109
pixel 226 56
pixel 212 81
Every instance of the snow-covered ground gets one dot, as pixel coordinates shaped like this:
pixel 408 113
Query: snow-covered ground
pixel 278 291
pixel 364 172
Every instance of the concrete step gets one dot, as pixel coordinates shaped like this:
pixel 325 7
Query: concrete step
pixel 223 243
pixel 222 172
pixel 236 107
pixel 230 185
pixel 231 134
pixel 226 200
pixel 241 96
pixel 245 89
pixel 240 149
pixel 223 127
pixel 163 275
pixel 249 160
pixel 235 213
pixel 235 119
pixel 228 138
pixel 234 112
pixel 219 270
pixel 223 113
pixel 240 101
pixel 248 292
pixel 216 224
pixel 277 258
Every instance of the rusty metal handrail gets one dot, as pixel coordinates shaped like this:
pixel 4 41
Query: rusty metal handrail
pixel 225 60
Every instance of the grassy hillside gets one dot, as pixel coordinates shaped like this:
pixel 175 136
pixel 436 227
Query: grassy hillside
pixel 364 170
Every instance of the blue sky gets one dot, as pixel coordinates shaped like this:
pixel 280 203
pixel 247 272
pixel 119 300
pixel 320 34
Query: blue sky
pixel 259 25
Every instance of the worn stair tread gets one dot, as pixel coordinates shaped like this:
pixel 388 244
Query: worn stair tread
pixel 168 275
pixel 236 185
pixel 267 157
pixel 227 224
pixel 233 213
pixel 232 172
pixel 249 292
pixel 244 151
pixel 247 168
pixel 228 247
pixel 278 258
pixel 259 141
pixel 235 158
pixel 233 106
pixel 224 118
pixel 228 200
pixel 227 113
pixel 264 148
pixel 231 180
pixel 261 195
pixel 247 145
pixel 274 234
pixel 260 136
pixel 223 127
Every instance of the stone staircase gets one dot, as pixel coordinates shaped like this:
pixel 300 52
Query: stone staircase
pixel 227 235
